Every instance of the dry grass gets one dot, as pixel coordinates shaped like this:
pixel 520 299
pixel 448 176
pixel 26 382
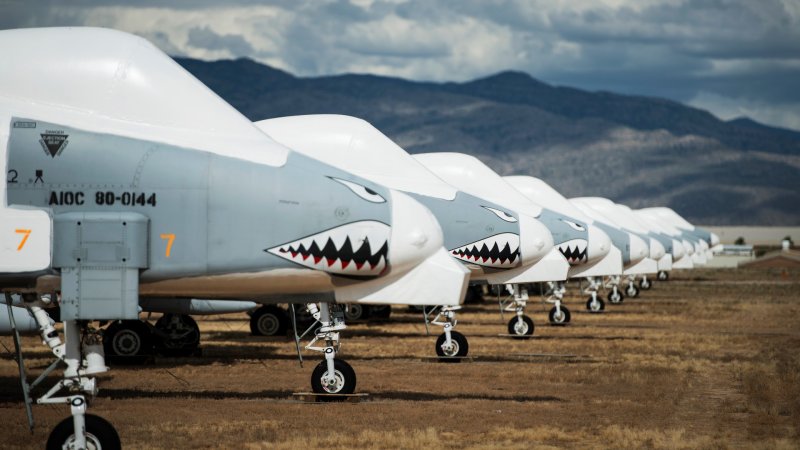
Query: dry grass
pixel 707 360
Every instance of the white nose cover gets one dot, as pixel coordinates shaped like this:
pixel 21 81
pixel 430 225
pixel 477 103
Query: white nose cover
pixel 599 244
pixel 416 233
pixel 534 238
pixel 656 249
pixel 639 249
pixel 677 250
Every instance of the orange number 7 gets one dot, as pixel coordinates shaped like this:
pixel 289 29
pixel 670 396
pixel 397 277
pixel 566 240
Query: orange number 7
pixel 27 233
pixel 170 239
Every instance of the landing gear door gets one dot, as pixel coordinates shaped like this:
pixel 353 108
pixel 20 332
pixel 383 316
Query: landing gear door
pixel 100 256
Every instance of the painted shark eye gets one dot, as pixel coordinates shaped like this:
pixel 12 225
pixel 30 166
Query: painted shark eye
pixel 573 225
pixel 362 191
pixel 502 214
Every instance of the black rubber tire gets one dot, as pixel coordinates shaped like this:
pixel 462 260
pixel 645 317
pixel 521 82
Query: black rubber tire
pixel 186 339
pixel 601 305
pixel 632 291
pixel 128 342
pixel 645 286
pixel 356 312
pixel 269 320
pixel 527 328
pixel 461 343
pixel 342 369
pixel 611 294
pixel 556 321
pixel 98 430
pixel 381 312
pixel 663 275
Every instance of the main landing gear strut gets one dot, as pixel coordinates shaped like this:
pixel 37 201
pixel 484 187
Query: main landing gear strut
pixel 451 343
pixel 594 303
pixel 82 354
pixel 332 375
pixel 559 314
pixel 520 326
pixel 632 291
pixel 615 296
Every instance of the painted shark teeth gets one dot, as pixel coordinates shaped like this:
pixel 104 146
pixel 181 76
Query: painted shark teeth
pixel 355 249
pixel 574 250
pixel 499 251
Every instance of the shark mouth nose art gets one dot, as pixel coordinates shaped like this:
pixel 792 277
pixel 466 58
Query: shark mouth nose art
pixel 499 251
pixel 574 250
pixel 355 249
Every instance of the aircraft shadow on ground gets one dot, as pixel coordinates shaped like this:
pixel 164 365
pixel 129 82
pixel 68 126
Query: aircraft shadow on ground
pixel 127 394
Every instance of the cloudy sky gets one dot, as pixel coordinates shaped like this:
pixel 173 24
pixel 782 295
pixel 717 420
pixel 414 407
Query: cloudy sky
pixel 733 57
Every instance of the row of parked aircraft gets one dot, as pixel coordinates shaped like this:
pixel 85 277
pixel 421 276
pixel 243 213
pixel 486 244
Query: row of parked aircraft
pixel 132 187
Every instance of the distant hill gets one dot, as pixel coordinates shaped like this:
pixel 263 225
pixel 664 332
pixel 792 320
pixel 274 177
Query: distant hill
pixel 640 151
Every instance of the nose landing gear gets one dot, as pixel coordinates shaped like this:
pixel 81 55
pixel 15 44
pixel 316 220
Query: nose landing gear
pixel 332 375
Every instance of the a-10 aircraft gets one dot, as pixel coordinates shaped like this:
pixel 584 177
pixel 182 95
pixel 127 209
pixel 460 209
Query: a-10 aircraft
pixel 490 239
pixel 619 216
pixel 442 182
pixel 578 244
pixel 128 178
pixel 628 250
pixel 131 187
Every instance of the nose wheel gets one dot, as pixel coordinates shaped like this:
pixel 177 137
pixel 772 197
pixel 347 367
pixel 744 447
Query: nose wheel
pixel 100 434
pixel 332 375
pixel 343 380
pixel 645 284
pixel 560 315
pixel 615 297
pixel 456 348
pixel 521 326
pixel 663 276
pixel 632 291
pixel 595 304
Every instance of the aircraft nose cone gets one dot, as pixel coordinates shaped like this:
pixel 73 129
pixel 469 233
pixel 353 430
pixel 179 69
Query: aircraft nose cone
pixel 657 250
pixel 639 249
pixel 535 240
pixel 677 250
pixel 599 244
pixel 416 234
pixel 688 247
pixel 714 239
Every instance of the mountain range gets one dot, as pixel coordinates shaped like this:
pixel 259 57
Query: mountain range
pixel 640 151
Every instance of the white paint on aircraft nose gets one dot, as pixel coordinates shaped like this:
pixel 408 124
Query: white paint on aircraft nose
pixel 639 249
pixel 599 244
pixel 657 250
pixel 416 234
pixel 535 239
pixel 677 250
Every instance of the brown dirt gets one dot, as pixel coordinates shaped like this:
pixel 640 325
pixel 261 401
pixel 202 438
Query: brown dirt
pixel 710 359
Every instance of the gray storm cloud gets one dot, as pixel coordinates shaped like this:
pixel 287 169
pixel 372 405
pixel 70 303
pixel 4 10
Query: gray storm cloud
pixel 734 57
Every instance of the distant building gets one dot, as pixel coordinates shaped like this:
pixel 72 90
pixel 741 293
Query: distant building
pixel 778 259
pixel 731 256
pixel 769 236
